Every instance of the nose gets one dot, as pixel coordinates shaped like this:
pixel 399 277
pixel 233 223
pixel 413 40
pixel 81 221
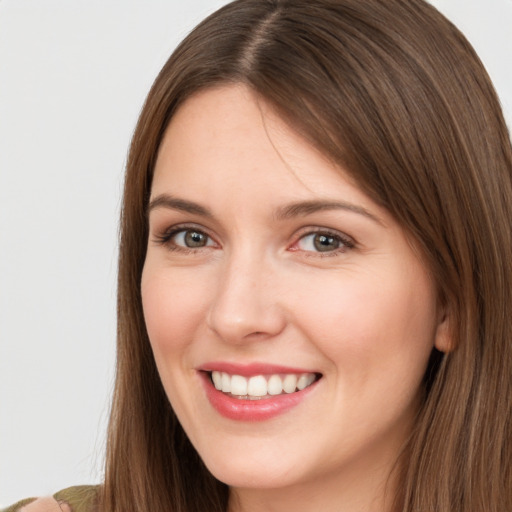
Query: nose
pixel 245 305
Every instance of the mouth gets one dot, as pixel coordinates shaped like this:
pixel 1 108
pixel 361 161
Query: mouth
pixel 261 387
pixel 256 391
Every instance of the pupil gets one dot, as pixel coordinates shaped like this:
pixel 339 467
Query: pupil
pixel 194 239
pixel 325 243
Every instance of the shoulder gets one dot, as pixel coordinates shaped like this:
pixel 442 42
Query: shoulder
pixel 73 499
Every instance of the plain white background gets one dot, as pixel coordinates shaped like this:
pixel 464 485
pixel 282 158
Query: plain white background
pixel 73 76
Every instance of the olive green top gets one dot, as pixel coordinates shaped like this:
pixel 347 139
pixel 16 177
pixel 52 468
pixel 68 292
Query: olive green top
pixel 82 498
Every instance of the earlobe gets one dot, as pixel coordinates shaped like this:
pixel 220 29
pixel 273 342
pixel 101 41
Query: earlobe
pixel 444 339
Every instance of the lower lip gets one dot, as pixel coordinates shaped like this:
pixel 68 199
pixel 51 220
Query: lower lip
pixel 252 410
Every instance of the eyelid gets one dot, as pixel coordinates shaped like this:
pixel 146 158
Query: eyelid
pixel 164 237
pixel 347 241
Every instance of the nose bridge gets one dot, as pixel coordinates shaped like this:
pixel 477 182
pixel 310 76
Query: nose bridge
pixel 245 304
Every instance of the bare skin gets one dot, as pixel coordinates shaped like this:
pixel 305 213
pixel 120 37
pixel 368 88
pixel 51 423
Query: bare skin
pixel 274 256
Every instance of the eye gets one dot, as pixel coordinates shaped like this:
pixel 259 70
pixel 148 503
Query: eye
pixel 323 242
pixel 191 238
pixel 185 238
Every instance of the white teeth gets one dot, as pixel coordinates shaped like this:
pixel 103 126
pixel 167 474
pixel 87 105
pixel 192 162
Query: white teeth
pixel 226 383
pixel 290 383
pixel 217 380
pixel 275 385
pixel 259 385
pixel 305 380
pixel 238 385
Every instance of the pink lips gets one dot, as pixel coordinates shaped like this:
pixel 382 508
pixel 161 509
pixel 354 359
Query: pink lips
pixel 251 410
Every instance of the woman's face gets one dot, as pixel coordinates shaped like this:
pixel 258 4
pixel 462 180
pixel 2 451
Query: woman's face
pixel 267 268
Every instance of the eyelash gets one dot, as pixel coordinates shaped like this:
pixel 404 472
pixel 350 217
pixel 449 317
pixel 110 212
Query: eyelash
pixel 346 243
pixel 165 238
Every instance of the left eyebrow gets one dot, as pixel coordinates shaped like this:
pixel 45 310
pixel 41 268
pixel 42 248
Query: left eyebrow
pixel 304 208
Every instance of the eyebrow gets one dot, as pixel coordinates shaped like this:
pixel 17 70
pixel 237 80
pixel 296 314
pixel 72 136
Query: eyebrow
pixel 304 208
pixel 174 203
pixel 298 209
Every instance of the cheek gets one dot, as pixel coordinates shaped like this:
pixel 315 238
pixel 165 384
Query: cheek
pixel 173 307
pixel 362 321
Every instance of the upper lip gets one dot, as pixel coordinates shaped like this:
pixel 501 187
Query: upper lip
pixel 250 369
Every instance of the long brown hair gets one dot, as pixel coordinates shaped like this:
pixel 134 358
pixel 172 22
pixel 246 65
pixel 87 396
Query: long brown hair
pixel 395 94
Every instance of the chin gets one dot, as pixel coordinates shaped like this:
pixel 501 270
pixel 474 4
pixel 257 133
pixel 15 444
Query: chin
pixel 253 472
pixel 253 478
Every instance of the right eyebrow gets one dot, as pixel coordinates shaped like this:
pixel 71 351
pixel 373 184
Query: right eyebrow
pixel 173 203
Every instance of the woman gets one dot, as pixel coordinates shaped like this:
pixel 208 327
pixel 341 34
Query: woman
pixel 314 280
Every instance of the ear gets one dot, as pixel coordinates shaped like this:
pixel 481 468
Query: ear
pixel 444 340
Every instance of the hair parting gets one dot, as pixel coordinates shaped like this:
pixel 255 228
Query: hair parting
pixel 393 93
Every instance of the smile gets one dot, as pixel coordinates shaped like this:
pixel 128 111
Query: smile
pixel 261 386
pixel 256 392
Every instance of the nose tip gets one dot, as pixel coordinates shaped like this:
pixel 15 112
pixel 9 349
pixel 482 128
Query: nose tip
pixel 245 308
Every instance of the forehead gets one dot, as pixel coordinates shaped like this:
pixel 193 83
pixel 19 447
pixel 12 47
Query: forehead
pixel 228 141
